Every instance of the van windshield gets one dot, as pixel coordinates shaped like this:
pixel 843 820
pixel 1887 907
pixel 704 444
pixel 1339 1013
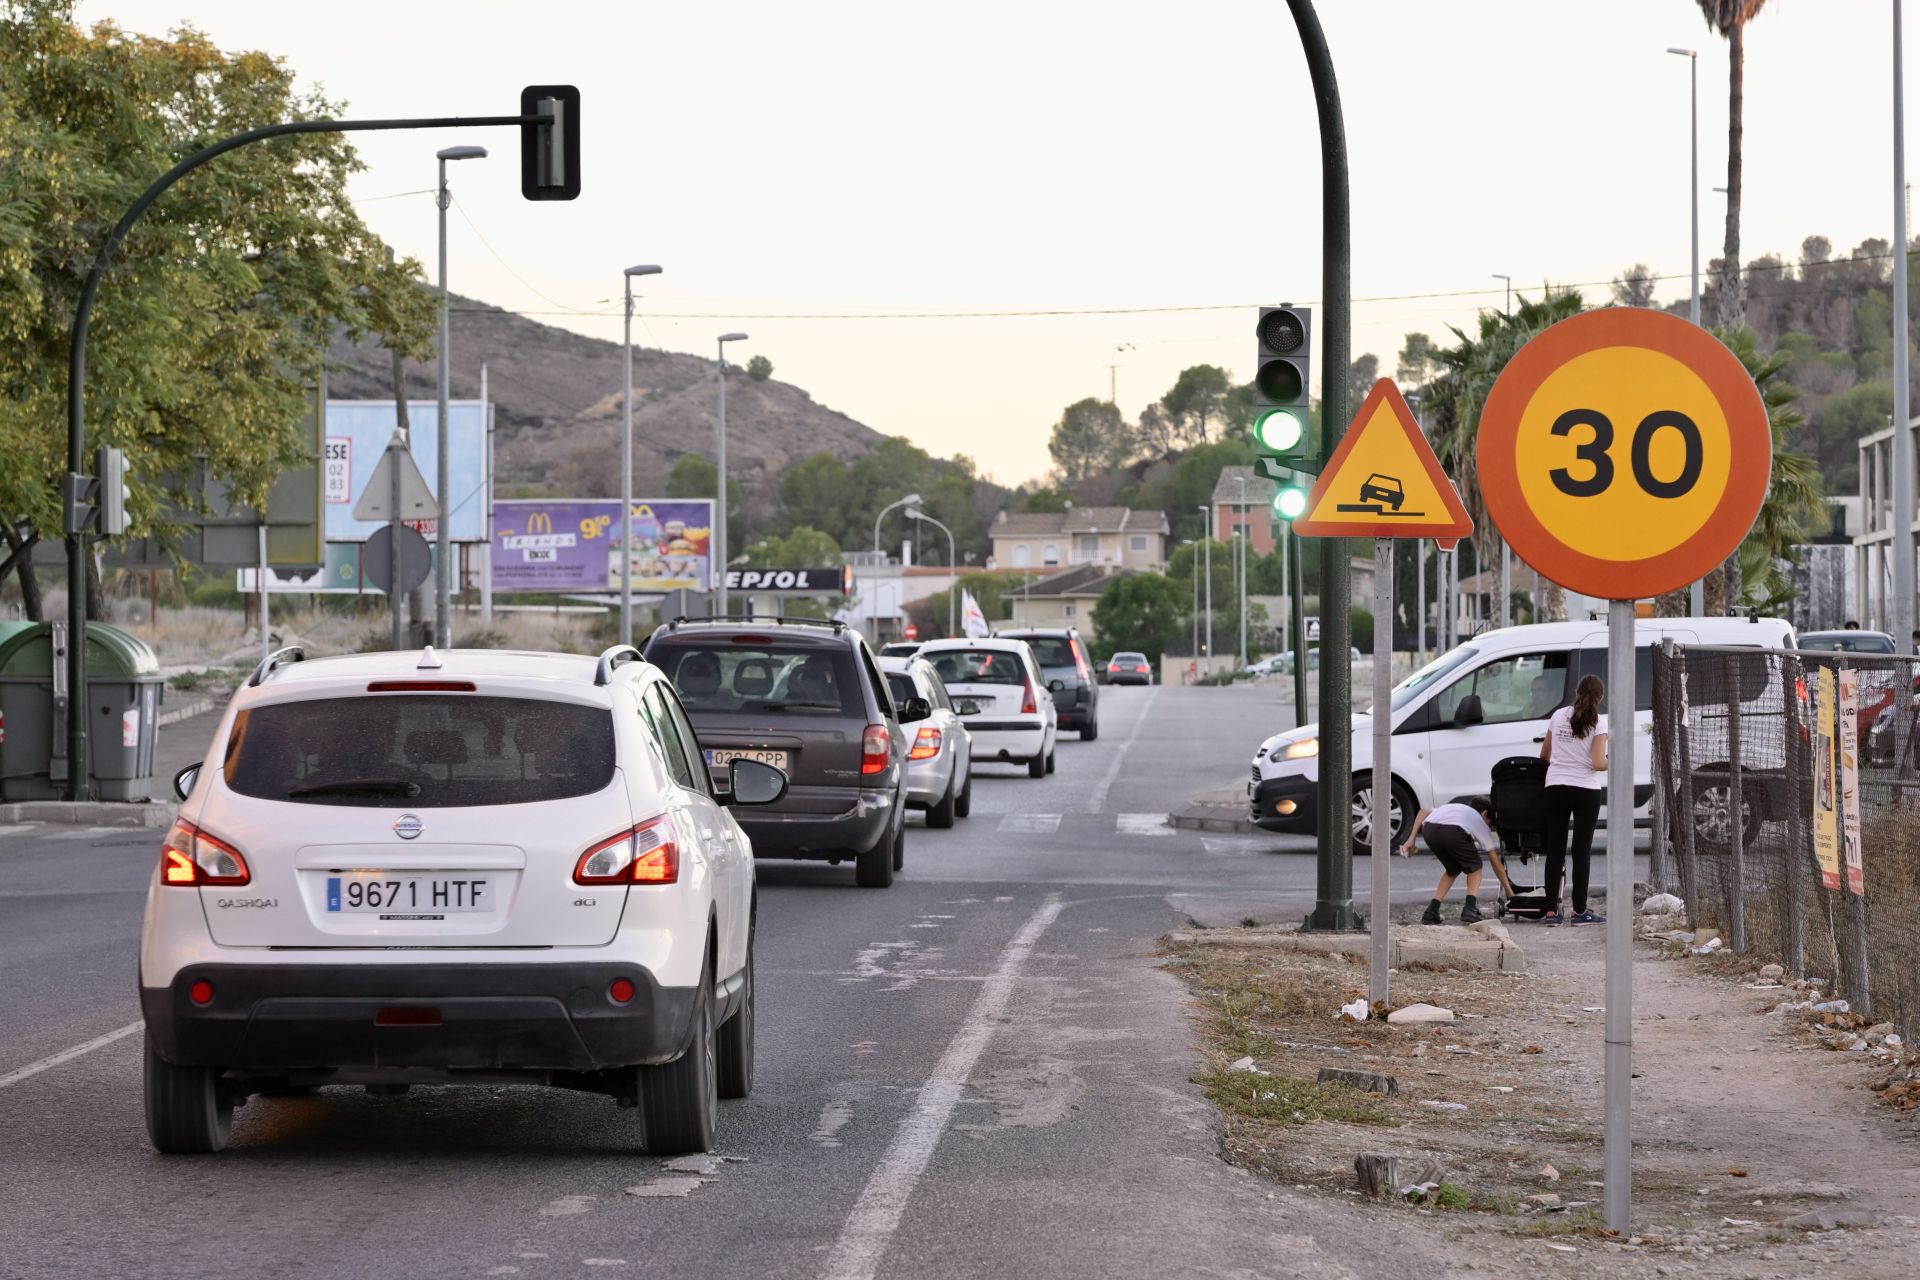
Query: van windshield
pixel 1426 677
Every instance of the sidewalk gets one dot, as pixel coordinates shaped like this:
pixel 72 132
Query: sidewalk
pixel 1219 809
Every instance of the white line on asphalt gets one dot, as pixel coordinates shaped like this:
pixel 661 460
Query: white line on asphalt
pixel 1141 824
pixel 876 1215
pixel 68 1055
pixel 1030 824
pixel 1098 801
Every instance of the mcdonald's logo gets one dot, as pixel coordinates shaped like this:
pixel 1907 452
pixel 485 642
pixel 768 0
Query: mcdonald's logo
pixel 539 522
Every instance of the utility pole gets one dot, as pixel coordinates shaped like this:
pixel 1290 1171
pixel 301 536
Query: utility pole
pixel 1206 548
pixel 1903 584
pixel 398 443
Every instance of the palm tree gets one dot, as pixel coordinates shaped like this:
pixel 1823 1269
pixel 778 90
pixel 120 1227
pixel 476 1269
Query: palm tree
pixel 1730 18
pixel 1796 507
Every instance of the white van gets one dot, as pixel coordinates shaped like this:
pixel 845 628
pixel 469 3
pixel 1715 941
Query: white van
pixel 1474 706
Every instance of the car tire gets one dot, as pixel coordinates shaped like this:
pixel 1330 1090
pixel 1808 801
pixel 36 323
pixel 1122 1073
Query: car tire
pixel 189 1109
pixel 873 868
pixel 1037 767
pixel 1091 731
pixel 733 1047
pixel 678 1099
pixel 1403 810
pixel 1049 759
pixel 900 845
pixel 963 803
pixel 941 815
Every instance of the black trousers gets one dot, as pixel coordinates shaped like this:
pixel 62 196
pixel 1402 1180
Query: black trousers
pixel 1580 808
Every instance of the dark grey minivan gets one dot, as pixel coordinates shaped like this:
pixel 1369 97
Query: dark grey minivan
pixel 805 697
pixel 1068 671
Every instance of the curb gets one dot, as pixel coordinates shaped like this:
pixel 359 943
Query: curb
pixel 187 712
pixel 1210 817
pixel 90 813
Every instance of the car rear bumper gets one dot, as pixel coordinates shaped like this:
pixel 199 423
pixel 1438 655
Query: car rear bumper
pixel 511 1017
pixel 1007 740
pixel 865 823
pixel 1284 804
pixel 929 779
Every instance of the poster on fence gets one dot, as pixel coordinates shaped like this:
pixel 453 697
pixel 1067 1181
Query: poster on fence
pixel 1826 797
pixel 1848 750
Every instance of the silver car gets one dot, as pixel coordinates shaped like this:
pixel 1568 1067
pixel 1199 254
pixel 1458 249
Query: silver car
pixel 940 758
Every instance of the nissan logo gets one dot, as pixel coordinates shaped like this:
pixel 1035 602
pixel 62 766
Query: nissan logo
pixel 408 826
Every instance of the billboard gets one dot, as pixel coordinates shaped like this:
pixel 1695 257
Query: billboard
pixel 357 434
pixel 573 544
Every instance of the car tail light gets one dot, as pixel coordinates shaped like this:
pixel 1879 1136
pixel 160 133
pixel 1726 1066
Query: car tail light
pixel 191 857
pixel 1080 663
pixel 421 686
pixel 1028 705
pixel 647 854
pixel 876 749
pixel 926 745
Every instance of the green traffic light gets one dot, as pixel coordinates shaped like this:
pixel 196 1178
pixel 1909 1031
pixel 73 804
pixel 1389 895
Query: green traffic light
pixel 1290 503
pixel 1280 430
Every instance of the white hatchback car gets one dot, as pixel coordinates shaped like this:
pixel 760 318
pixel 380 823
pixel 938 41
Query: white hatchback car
pixel 1014 719
pixel 403 868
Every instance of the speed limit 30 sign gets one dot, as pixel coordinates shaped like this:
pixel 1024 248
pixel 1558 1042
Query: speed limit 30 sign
pixel 1624 453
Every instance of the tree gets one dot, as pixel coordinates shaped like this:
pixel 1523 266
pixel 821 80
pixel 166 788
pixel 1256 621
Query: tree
pixel 803 548
pixel 217 313
pixel 1730 18
pixel 1795 508
pixel 1046 501
pixel 1415 364
pixel 1158 433
pixel 1197 397
pixel 693 476
pixel 1090 437
pixel 1634 286
pixel 759 368
pixel 819 492
pixel 1143 612
pixel 1361 377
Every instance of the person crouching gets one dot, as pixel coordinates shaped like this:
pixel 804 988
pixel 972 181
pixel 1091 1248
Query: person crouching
pixel 1457 834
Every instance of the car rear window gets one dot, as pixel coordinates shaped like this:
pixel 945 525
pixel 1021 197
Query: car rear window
pixel 979 666
pixel 1051 651
pixel 728 675
pixel 420 751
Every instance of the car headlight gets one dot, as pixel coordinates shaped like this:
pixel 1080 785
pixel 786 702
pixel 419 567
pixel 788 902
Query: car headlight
pixel 1300 749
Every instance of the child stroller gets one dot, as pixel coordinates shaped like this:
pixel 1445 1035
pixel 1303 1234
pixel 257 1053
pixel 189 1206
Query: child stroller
pixel 1519 796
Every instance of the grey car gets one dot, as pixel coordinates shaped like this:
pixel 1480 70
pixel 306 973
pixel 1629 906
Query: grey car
pixel 940 756
pixel 1063 660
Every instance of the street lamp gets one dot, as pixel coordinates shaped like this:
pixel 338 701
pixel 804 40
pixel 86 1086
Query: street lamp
pixel 953 572
pixel 1696 596
pixel 911 500
pixel 1206 548
pixel 1507 309
pixel 720 466
pixel 626 453
pixel 442 584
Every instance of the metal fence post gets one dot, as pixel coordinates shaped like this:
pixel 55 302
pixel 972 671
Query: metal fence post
pixel 1736 811
pixel 1799 860
pixel 1683 737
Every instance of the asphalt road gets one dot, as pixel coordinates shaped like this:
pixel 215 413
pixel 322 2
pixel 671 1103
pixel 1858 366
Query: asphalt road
pixel 980 1071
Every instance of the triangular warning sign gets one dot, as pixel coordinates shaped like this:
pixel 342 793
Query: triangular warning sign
pixel 1383 481
pixel 416 499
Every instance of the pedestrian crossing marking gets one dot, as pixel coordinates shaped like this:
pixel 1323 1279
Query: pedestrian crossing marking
pixel 1030 824
pixel 1142 824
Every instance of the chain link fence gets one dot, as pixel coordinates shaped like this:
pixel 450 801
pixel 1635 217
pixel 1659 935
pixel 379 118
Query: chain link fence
pixel 1738 772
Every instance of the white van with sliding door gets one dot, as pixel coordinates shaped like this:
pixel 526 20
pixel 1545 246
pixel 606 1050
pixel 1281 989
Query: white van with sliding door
pixel 1474 706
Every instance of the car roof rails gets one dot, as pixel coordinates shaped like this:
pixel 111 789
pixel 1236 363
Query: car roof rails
pixel 615 656
pixel 274 661
pixel 778 619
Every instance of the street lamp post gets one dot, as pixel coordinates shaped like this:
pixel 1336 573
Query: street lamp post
pixel 1207 549
pixel 1697 594
pixel 443 571
pixel 1506 552
pixel 720 551
pixel 953 572
pixel 911 500
pixel 626 452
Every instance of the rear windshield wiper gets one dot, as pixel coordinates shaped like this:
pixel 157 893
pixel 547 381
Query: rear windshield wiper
pixel 359 786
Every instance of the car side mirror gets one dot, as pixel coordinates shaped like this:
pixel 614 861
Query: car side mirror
pixel 1468 712
pixel 183 781
pixel 1055 686
pixel 751 782
pixel 966 707
pixel 913 710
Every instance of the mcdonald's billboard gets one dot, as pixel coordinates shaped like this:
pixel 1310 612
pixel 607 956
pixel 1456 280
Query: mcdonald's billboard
pixel 573 544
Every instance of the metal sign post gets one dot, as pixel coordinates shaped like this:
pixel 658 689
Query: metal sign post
pixel 1381 899
pixel 1617 1126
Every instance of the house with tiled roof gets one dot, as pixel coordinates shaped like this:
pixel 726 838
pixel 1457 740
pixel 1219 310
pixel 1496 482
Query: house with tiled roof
pixel 1048 542
pixel 1063 599
pixel 1243 500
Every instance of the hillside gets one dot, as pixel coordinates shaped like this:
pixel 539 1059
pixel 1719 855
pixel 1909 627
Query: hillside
pixel 557 406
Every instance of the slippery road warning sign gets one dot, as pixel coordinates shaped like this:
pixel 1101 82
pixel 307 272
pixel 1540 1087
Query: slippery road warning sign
pixel 1383 480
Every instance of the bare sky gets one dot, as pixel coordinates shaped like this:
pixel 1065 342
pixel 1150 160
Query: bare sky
pixel 854 158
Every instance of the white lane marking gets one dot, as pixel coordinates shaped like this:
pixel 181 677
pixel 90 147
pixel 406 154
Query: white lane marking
pixel 68 1055
pixel 876 1215
pixel 1142 824
pixel 1032 824
pixel 674 1188
pixel 15 828
pixel 1230 846
pixel 1098 800
pixel 567 1206
pixel 834 1117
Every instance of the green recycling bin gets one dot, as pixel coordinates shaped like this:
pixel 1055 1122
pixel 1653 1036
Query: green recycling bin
pixel 124 688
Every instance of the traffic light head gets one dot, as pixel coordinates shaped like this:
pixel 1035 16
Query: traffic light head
pixel 550 151
pixel 1280 397
pixel 1290 502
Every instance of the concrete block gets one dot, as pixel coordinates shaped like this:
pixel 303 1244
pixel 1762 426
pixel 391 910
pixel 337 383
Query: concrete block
pixel 1364 1081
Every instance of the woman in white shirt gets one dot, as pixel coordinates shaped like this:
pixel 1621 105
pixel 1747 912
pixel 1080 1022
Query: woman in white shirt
pixel 1576 754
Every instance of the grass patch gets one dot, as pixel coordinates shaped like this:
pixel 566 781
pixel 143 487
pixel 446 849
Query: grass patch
pixel 1284 1100
pixel 189 681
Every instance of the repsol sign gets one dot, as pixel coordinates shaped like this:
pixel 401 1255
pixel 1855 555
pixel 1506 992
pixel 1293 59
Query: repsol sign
pixel 836 581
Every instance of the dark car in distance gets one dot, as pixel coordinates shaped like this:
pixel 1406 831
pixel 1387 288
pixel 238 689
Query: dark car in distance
pixel 1062 656
pixel 808 698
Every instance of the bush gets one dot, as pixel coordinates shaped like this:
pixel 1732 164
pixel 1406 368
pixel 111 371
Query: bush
pixel 1362 623
pixel 759 368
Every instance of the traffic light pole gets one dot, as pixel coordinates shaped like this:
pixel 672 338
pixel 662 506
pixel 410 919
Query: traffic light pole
pixel 79 769
pixel 1333 892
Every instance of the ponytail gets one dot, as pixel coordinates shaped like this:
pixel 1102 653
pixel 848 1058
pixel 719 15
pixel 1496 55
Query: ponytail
pixel 1586 705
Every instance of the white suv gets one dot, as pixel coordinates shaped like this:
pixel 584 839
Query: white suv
pixel 404 868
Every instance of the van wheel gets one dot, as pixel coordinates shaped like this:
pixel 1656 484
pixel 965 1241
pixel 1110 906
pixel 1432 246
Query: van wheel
pixel 1713 813
pixel 678 1099
pixel 873 869
pixel 1091 731
pixel 733 1049
pixel 1400 808
pixel 189 1109
pixel 963 805
pixel 941 815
